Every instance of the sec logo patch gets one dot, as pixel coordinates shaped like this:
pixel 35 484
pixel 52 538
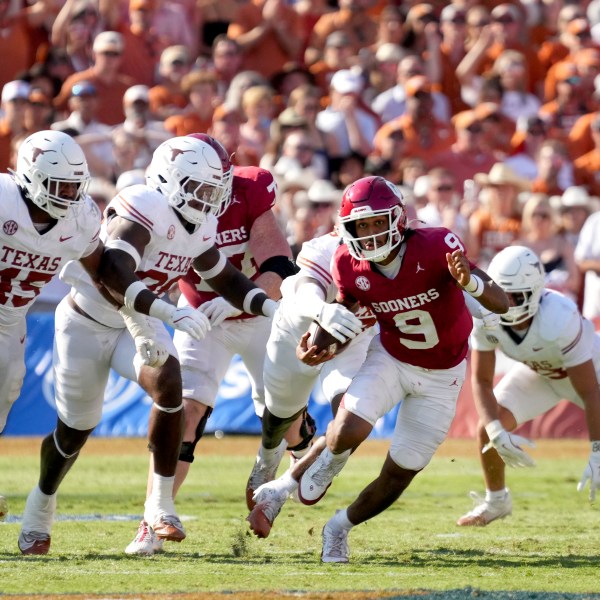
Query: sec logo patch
pixel 362 283
pixel 10 227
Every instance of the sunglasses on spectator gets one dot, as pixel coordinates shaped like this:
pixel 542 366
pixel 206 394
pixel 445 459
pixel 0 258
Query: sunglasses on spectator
pixel 111 53
pixel 573 80
pixel 444 187
pixel 540 215
pixel 303 148
pixel 475 129
pixel 429 18
pixel 178 63
pixel 479 23
pixel 506 20
pixel 458 21
pixel 536 131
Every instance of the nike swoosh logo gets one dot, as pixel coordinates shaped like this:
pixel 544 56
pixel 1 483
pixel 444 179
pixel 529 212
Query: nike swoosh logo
pixel 22 339
pixel 205 238
pixel 64 238
pixel 537 349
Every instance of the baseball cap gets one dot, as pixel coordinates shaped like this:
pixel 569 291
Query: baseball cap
pixel 136 93
pixel 83 88
pixel 452 12
pixel 346 81
pixel 323 191
pixel 14 90
pixel 108 41
pixel 389 52
pixel 174 53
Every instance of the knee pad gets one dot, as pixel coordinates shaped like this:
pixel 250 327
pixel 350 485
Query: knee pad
pixel 275 428
pixel 188 448
pixel 308 428
pixel 409 459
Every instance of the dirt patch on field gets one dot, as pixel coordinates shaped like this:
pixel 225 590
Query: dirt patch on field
pixel 247 446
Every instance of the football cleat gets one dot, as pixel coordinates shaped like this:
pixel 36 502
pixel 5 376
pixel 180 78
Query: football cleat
pixel 145 542
pixel 263 472
pixel 318 477
pixel 164 521
pixel 34 542
pixel 335 545
pixel 269 501
pixel 486 511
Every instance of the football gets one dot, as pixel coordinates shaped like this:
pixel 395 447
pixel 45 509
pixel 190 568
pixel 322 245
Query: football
pixel 323 340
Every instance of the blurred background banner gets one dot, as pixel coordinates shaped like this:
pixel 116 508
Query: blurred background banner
pixel 126 407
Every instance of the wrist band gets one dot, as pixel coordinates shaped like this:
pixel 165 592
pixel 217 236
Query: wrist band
pixel 125 247
pixel 475 286
pixel 132 292
pixel 248 299
pixel 494 429
pixel 161 310
pixel 269 307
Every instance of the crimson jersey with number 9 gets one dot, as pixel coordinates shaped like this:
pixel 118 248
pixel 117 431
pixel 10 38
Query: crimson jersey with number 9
pixel 421 312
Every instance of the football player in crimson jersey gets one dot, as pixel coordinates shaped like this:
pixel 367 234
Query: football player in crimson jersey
pixel 558 357
pixel 152 234
pixel 413 281
pixel 248 234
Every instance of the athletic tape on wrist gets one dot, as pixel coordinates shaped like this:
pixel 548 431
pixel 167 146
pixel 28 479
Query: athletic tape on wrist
pixel 475 286
pixel 494 429
pixel 167 409
pixel 249 297
pixel 161 310
pixel 132 292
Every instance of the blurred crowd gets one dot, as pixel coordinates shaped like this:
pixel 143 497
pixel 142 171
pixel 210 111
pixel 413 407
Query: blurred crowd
pixel 486 114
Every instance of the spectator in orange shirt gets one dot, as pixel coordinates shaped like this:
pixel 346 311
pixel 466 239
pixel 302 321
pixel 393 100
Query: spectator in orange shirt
pixel 426 137
pixel 353 19
pixel 226 129
pixel 338 53
pixel 467 155
pixel 201 89
pixel 267 32
pixel 227 58
pixel 104 75
pixel 562 112
pixel 497 222
pixel 167 96
pixel 587 166
pixel 258 108
pixel 555 170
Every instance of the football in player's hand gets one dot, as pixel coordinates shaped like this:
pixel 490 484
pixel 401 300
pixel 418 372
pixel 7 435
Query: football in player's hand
pixel 323 340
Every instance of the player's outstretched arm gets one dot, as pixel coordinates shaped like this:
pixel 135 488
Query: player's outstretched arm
pixel 232 284
pixel 477 283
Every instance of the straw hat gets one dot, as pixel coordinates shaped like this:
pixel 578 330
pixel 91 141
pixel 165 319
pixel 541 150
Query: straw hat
pixel 501 174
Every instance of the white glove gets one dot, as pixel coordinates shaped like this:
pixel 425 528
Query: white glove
pixel 218 309
pixel 508 446
pixel 149 351
pixel 490 320
pixel 186 319
pixel 592 472
pixel 340 322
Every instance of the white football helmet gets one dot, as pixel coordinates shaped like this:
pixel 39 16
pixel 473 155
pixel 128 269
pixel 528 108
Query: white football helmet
pixel 189 173
pixel 53 171
pixel 520 273
pixel 370 197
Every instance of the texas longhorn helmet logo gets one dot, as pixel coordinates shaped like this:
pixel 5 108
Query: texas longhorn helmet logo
pixel 38 152
pixel 175 152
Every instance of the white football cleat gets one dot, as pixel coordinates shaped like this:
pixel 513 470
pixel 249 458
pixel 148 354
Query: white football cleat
pixel 269 499
pixel 335 544
pixel 263 472
pixel 164 521
pixel 36 526
pixel 318 477
pixel 145 542
pixel 486 511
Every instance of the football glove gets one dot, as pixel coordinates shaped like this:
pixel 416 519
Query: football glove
pixel 340 322
pixel 218 309
pixel 508 445
pixel 186 319
pixel 149 352
pixel 592 472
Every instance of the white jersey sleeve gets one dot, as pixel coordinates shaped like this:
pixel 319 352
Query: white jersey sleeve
pixel 315 259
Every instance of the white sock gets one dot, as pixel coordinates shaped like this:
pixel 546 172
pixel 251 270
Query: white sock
pixel 288 482
pixel 340 520
pixel 35 515
pixel 499 495
pixel 268 454
pixel 329 457
pixel 162 487
pixel 298 454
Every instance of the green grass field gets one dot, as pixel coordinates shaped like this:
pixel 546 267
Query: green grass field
pixel 550 544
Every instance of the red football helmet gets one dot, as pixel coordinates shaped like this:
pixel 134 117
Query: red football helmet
pixel 227 167
pixel 372 197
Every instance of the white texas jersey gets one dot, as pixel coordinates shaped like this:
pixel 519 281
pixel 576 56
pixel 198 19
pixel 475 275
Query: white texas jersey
pixel 28 259
pixel 558 338
pixel 167 256
pixel 314 261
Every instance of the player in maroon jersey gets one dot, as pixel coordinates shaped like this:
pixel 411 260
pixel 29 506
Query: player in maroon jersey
pixel 413 281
